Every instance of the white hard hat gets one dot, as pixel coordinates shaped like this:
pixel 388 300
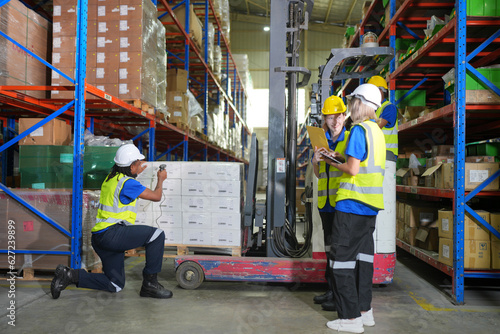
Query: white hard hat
pixel 369 94
pixel 127 154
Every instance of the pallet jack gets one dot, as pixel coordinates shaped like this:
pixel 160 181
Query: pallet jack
pixel 270 250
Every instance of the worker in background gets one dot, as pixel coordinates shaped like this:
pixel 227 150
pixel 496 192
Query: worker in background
pixel 333 116
pixel 115 232
pixel 359 199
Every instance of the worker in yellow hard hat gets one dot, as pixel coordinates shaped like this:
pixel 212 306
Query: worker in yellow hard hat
pixel 333 119
pixel 387 119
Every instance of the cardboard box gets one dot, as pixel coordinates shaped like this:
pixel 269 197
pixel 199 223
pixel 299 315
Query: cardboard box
pixel 230 171
pixel 477 254
pixel 195 25
pixel 445 223
pixel 195 187
pixel 168 204
pixel 226 238
pixel 410 234
pixel 177 80
pixel 495 223
pixel 197 220
pixel 196 236
pixel 478 159
pixel 476 231
pixel 472 231
pixel 226 204
pixel 226 221
pixel 495 255
pixel 196 204
pixel 476 173
pixel 173 235
pixel 415 215
pixel 224 188
pixel 172 187
pixel 55 132
pixel 438 150
pixel 441 159
pixel 427 238
pixel 446 251
pixel 481 97
pixel 194 170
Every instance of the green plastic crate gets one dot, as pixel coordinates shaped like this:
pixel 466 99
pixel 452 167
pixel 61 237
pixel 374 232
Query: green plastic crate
pixel 53 160
pixel 489 149
pixel 483 8
pixel 415 99
pixel 492 74
pixel 403 43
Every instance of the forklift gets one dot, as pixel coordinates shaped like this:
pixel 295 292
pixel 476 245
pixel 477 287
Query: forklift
pixel 270 249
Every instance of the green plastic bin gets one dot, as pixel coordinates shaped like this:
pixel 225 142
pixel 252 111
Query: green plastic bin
pixel 492 74
pixel 415 99
pixel 483 8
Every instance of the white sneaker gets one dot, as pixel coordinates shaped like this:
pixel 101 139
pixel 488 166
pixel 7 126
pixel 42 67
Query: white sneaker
pixel 346 325
pixel 368 318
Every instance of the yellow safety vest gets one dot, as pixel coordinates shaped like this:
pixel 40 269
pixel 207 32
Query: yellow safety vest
pixel 390 134
pixel 328 183
pixel 367 186
pixel 111 210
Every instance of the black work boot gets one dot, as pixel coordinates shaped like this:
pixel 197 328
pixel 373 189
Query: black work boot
pixel 326 297
pixel 329 306
pixel 151 288
pixel 63 277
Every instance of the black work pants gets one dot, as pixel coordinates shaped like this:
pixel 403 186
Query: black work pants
pixel 111 245
pixel 327 223
pixel 351 261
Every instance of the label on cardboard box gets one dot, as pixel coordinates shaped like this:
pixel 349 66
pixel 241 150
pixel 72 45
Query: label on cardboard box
pixel 445 224
pixel 123 88
pixel 178 98
pixel 123 73
pixel 37 133
pixel 56 11
pixel 446 251
pixel 124 57
pixel 102 41
pixel 478 175
pixel 124 42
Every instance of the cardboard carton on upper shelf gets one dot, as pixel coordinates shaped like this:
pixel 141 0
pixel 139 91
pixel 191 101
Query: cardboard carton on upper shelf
pixel 195 25
pixel 427 238
pixel 177 80
pixel 439 150
pixel 441 175
pixel 479 159
pixel 55 132
pixel 472 230
pixel 495 223
pixel 411 176
pixel 482 96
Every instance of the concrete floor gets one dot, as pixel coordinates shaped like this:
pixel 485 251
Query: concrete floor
pixel 416 302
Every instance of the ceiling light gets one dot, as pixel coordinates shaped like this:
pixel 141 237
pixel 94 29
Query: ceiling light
pixel 266 28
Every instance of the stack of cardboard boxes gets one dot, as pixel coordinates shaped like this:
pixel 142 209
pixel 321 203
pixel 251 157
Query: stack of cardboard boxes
pixel 122 48
pixel 481 249
pixel 17 67
pixel 417 225
pixel 201 204
pixel 177 100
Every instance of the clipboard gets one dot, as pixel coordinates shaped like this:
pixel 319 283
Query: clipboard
pixel 317 137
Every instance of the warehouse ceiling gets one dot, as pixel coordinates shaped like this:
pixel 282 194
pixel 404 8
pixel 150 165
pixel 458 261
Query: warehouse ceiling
pixel 328 14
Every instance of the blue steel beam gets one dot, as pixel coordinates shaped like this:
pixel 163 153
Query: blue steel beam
pixel 459 159
pixel 411 90
pixel 36 126
pixel 483 222
pixel 79 127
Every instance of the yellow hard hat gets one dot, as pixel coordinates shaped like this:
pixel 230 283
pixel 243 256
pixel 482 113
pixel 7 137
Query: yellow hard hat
pixel 333 105
pixel 379 82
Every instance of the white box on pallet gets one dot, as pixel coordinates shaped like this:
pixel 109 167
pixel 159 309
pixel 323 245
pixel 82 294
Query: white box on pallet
pixel 226 238
pixel 167 219
pixel 226 221
pixel 195 203
pixel 194 171
pixel 144 205
pixel 146 182
pixel 196 236
pixel 173 235
pixel 230 171
pixel 195 187
pixel 223 188
pixel 167 203
pixel 226 204
pixel 143 218
pixel 172 187
pixel 196 220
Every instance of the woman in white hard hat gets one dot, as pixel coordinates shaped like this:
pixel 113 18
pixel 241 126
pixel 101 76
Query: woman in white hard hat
pixel 115 232
pixel 359 199
pixel 333 115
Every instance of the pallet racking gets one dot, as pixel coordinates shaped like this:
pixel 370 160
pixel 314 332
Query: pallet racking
pixel 464 43
pixel 101 113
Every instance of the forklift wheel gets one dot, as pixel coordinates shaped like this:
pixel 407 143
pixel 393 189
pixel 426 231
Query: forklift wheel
pixel 189 275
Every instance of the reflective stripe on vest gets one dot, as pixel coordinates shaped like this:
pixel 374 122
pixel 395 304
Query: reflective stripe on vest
pixel 111 210
pixel 367 186
pixel 328 183
pixel 390 134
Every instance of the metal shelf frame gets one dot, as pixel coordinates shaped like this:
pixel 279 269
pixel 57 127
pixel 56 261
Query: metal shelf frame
pixel 454 32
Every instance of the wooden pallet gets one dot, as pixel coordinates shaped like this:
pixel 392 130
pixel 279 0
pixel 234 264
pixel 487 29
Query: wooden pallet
pixel 171 251
pixel 180 125
pixel 141 105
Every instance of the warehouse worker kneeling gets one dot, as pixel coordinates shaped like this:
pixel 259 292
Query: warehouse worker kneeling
pixel 115 232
